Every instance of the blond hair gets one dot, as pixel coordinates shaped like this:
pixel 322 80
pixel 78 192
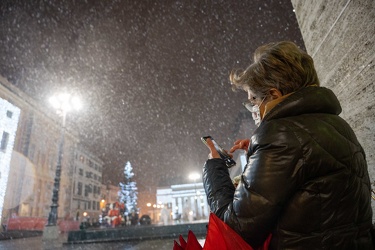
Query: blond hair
pixel 280 65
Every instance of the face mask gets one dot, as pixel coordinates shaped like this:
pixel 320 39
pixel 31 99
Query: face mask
pixel 256 113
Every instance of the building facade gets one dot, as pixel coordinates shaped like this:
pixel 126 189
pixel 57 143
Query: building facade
pixel 9 116
pixel 87 185
pixel 28 186
pixel 109 194
pixel 186 203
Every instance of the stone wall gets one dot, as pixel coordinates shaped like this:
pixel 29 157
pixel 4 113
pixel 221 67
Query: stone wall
pixel 339 35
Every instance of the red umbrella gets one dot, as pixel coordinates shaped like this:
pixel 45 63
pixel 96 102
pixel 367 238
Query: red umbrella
pixel 219 237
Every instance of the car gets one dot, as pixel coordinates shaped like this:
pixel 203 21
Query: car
pixel 145 220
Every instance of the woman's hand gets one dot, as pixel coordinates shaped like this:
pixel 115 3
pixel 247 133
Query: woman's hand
pixel 213 153
pixel 240 144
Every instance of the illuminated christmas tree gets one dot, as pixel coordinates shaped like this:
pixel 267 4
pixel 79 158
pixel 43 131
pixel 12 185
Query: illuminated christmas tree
pixel 128 190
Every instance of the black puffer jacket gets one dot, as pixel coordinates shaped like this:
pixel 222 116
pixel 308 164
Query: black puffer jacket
pixel 306 181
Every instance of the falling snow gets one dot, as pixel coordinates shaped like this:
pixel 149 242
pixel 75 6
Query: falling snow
pixel 153 76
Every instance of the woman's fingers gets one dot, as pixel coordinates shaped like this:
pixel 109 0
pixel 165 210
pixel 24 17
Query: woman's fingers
pixel 240 144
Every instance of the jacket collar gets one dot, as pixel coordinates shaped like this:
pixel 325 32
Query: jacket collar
pixel 270 105
pixel 306 100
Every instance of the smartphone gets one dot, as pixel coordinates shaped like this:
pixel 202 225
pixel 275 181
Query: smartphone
pixel 223 154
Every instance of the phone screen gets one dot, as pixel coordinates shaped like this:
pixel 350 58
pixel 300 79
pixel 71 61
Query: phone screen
pixel 223 154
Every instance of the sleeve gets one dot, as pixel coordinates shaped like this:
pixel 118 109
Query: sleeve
pixel 218 186
pixel 266 183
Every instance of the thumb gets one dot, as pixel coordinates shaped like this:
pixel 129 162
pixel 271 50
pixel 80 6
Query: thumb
pixel 211 146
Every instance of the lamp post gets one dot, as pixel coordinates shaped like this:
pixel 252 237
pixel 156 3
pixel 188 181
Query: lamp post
pixel 195 177
pixel 63 103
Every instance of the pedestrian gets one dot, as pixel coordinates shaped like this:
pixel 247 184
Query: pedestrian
pixel 306 180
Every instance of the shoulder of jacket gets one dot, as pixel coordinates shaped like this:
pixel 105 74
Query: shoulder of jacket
pixel 280 125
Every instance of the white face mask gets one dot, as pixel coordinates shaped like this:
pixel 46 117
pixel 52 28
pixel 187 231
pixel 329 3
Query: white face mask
pixel 256 115
pixel 255 112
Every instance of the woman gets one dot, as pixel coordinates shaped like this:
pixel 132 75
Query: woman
pixel 306 180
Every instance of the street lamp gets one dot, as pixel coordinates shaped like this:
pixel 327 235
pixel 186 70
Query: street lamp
pixel 102 203
pixel 195 177
pixel 63 103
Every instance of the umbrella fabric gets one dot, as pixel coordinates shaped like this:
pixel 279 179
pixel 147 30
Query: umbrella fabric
pixel 219 237
pixel 191 244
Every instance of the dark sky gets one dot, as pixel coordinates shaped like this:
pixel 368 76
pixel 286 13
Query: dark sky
pixel 153 75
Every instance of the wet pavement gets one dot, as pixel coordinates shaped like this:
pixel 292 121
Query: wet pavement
pixel 25 240
pixel 36 243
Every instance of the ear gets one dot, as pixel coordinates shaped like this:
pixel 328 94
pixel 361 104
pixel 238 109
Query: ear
pixel 275 93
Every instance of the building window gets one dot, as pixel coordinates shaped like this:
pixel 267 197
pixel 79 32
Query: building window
pixel 80 171
pixel 9 114
pixel 4 141
pixel 86 190
pixel 79 191
pixel 88 175
pixel 93 205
